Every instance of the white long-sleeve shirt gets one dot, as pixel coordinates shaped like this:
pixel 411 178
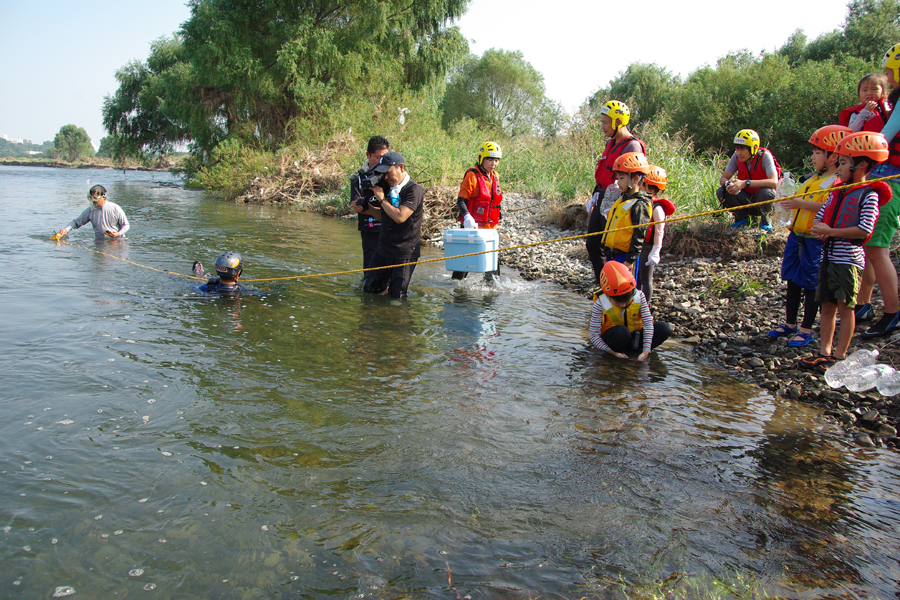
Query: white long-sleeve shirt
pixel 109 217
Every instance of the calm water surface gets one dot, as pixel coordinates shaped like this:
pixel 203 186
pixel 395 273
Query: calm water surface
pixel 313 443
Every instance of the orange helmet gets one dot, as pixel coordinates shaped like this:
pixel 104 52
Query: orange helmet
pixel 632 162
pixel 616 279
pixel 864 144
pixel 656 176
pixel 827 137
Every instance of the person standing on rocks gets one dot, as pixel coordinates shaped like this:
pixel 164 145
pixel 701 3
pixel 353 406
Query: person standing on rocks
pixel 368 214
pixel 844 224
pixel 626 229
pixel 614 118
pixel 402 203
pixel 480 196
pixel 802 250
pixel 879 267
pixel 757 175
pixel 654 182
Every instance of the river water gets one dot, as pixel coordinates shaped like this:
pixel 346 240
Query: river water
pixel 315 443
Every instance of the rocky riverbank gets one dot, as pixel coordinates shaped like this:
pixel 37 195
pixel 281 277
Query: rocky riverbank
pixel 723 305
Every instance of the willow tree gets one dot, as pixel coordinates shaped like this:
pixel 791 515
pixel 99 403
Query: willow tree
pixel 245 68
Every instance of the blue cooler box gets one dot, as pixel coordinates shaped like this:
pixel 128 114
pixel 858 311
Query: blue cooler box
pixel 465 241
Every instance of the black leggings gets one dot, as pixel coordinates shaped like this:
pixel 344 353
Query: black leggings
pixel 619 339
pixel 593 245
pixel 792 305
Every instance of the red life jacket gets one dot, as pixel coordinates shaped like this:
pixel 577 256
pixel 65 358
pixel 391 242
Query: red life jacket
pixel 755 170
pixel 603 174
pixel 843 211
pixel 875 124
pixel 668 208
pixel 485 207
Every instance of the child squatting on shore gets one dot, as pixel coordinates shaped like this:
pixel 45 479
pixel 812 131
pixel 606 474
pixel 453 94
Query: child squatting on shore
pixel 844 224
pixel 654 183
pixel 802 250
pixel 620 320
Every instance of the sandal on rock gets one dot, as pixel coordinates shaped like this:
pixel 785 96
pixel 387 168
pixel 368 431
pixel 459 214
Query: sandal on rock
pixel 811 361
pixel 782 330
pixel 801 339
pixel 825 363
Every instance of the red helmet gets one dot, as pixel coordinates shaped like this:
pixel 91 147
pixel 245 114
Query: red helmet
pixel 864 144
pixel 657 176
pixel 616 279
pixel 632 162
pixel 827 137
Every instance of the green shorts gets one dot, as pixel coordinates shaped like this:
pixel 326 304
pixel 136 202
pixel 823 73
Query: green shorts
pixel 887 223
pixel 838 282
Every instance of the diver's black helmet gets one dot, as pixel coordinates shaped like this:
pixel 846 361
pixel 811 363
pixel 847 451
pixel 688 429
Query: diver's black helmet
pixel 229 265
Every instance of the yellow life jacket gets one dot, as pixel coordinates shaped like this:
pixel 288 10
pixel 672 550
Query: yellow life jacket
pixel 630 316
pixel 814 189
pixel 620 216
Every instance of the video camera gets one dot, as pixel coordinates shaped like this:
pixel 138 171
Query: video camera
pixel 368 179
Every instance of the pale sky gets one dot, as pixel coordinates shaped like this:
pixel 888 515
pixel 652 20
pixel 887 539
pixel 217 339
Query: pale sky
pixel 60 57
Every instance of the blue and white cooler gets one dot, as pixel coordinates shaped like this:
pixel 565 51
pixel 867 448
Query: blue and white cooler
pixel 466 241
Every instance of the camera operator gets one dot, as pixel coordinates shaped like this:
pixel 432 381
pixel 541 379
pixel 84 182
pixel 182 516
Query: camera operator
pixel 361 184
pixel 402 203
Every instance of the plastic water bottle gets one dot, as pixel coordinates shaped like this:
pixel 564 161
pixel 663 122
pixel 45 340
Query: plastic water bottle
pixel 785 187
pixel 864 378
pixel 834 376
pixel 889 383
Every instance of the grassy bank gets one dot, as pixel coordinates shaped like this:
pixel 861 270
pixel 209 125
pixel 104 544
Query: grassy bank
pixel 84 163
pixel 312 168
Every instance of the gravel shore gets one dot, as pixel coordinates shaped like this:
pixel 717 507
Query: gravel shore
pixel 724 307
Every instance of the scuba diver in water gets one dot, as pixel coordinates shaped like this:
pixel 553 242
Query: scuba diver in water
pixel 229 267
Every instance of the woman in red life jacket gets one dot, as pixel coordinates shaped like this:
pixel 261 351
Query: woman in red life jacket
pixel 480 195
pixel 757 175
pixel 614 118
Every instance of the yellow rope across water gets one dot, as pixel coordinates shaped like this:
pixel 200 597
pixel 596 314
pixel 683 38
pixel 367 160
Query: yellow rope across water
pixel 505 249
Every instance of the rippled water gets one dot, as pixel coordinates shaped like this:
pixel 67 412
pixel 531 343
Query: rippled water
pixel 314 443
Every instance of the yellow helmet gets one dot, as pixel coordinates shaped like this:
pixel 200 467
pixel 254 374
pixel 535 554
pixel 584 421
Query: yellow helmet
pixel 892 61
pixel 749 138
pixel 616 110
pixel 489 150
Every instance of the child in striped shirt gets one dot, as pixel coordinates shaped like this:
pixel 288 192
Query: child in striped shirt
pixel 844 224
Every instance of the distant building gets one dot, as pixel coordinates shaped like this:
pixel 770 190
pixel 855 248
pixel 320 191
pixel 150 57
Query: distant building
pixel 14 140
pixel 33 152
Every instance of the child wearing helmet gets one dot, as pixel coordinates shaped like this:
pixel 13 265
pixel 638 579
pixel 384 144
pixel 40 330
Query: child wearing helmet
pixel 480 195
pixel 614 119
pixel 872 112
pixel 107 218
pixel 879 267
pixel 229 267
pixel 654 183
pixel 800 263
pixel 621 240
pixel 757 175
pixel 844 223
pixel 621 319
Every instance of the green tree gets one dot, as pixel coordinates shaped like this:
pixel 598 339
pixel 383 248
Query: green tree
pixel 647 89
pixel 872 26
pixel 500 91
pixel 245 69
pixel 72 142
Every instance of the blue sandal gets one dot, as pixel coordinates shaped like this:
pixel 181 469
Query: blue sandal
pixel 782 330
pixel 801 339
